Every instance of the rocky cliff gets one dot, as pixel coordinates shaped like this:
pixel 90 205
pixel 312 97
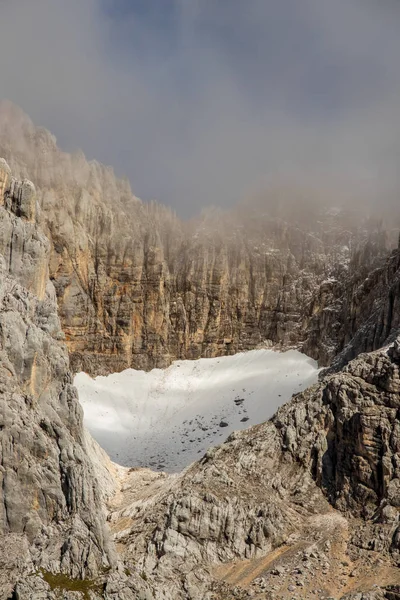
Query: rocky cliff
pixel 303 506
pixel 51 503
pixel 370 314
pixel 137 287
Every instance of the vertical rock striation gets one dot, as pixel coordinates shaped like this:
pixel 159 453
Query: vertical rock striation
pixel 138 288
pixel 51 514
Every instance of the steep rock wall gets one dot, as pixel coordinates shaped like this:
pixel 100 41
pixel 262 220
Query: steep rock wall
pixel 336 444
pixel 51 514
pixel 138 288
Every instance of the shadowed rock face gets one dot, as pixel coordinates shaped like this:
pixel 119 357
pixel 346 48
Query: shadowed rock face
pixel 138 288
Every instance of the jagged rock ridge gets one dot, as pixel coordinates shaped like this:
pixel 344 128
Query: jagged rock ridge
pixel 311 496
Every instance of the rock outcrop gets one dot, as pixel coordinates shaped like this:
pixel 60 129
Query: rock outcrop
pixel 305 502
pixel 138 288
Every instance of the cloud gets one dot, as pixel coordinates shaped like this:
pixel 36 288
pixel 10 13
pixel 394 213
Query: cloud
pixel 201 102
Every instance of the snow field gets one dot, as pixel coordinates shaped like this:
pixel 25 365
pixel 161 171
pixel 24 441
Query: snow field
pixel 166 419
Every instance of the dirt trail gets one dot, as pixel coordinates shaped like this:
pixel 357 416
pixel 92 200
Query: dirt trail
pixel 244 572
pixel 315 565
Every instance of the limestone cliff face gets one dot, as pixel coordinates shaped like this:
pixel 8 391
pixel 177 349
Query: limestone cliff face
pixel 47 484
pixel 138 288
pixel 51 507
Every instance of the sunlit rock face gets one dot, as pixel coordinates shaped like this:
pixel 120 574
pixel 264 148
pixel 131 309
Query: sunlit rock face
pixel 138 288
pixel 54 479
pixel 49 506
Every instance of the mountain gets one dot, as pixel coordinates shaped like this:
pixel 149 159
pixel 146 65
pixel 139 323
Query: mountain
pixel 137 287
pixel 305 505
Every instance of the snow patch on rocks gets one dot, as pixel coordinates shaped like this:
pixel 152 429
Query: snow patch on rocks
pixel 166 419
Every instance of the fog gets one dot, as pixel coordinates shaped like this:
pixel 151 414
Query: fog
pixel 206 102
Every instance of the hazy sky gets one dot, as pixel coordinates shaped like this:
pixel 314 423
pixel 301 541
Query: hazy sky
pixel 206 101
